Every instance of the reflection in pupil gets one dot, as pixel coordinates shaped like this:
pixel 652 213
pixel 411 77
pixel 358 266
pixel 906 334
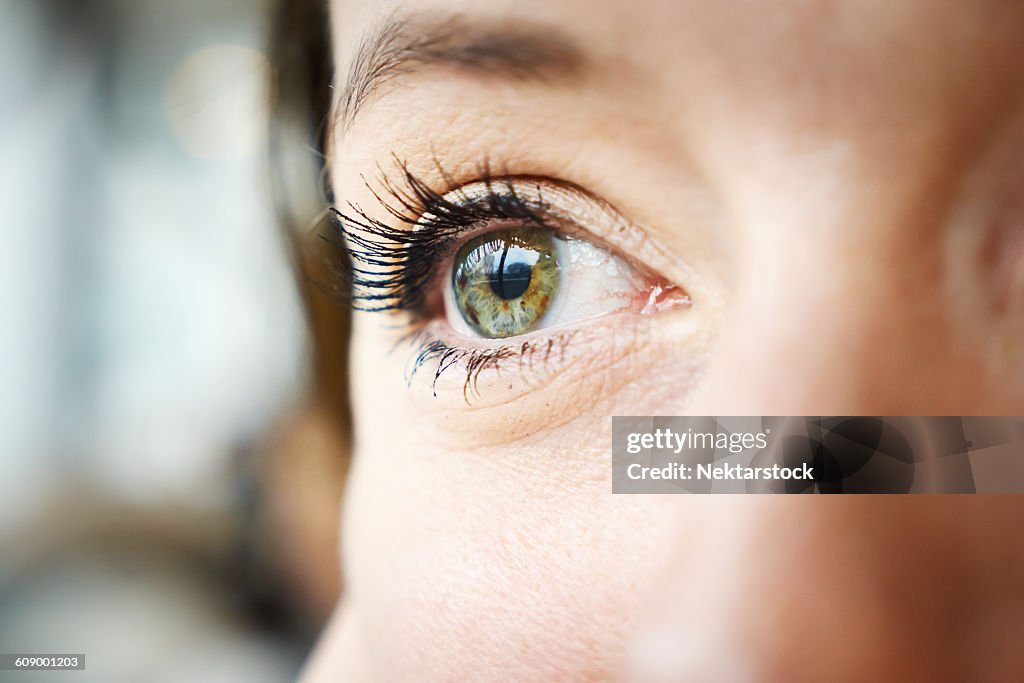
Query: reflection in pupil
pixel 509 275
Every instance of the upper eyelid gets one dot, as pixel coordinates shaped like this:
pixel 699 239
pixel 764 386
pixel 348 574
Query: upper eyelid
pixel 416 193
pixel 394 257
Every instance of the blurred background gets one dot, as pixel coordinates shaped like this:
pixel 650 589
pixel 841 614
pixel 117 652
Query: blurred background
pixel 169 490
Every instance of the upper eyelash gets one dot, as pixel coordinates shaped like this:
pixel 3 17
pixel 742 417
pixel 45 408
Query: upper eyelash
pixel 392 266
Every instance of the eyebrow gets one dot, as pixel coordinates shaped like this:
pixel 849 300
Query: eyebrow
pixel 510 51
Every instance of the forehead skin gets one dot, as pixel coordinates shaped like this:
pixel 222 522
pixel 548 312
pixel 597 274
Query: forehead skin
pixel 844 177
pixel 803 70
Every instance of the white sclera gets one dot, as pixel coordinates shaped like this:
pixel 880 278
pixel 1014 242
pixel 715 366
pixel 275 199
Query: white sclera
pixel 594 282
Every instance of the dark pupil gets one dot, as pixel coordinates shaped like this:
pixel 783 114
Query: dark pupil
pixel 509 274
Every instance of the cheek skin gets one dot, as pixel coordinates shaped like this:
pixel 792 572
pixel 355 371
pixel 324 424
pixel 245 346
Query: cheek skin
pixel 482 549
pixel 786 588
pixel 505 568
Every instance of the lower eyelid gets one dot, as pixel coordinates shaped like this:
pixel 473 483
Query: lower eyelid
pixel 446 364
pixel 587 374
pixel 489 374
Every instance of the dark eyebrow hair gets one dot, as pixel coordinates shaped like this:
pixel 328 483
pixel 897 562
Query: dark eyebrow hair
pixel 515 51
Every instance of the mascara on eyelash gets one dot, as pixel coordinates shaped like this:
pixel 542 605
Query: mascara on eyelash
pixel 443 357
pixel 393 266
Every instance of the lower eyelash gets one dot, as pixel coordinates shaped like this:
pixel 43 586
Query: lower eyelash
pixel 433 351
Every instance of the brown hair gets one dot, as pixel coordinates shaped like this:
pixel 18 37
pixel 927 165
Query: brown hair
pixel 308 460
pixel 301 56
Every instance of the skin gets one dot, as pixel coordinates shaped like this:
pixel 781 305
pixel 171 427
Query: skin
pixel 837 186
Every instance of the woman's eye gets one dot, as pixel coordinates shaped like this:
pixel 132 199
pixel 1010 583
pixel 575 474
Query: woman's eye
pixel 513 281
pixel 517 259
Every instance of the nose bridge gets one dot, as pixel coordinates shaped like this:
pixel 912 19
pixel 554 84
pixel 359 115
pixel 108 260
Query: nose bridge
pixel 834 321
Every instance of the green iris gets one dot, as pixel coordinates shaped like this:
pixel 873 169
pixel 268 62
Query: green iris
pixel 504 281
